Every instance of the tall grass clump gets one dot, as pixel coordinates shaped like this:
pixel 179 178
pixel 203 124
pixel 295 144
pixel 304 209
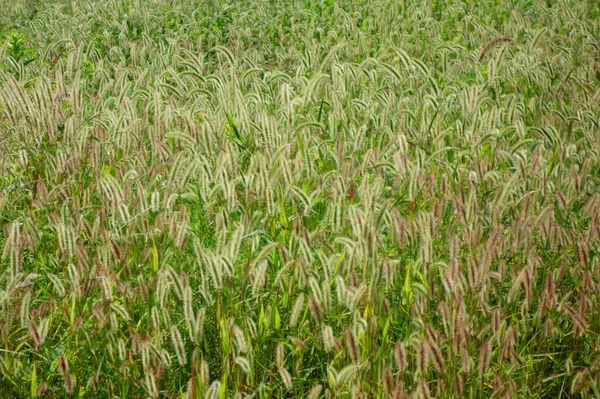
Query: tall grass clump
pixel 322 199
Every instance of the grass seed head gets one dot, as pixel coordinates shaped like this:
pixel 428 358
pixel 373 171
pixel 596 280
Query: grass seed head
pixel 69 383
pixel 178 345
pixel 484 359
pixel 34 333
pixel 280 353
pixel 316 309
pixel 422 357
pixel 240 339
pixel 400 355
pixel 297 310
pixel 243 363
pixel 286 378
pixel 315 392
pixel 63 364
pixel 328 339
pixel 436 356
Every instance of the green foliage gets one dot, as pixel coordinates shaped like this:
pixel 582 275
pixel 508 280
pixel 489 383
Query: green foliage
pixel 18 55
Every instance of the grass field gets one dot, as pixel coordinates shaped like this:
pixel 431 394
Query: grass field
pixel 304 198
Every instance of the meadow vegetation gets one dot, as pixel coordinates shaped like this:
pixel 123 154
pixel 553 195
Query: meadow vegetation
pixel 305 198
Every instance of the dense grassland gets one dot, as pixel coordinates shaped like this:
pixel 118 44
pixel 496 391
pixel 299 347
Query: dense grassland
pixel 323 199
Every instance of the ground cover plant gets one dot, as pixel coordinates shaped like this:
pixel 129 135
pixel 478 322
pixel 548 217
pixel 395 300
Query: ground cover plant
pixel 322 199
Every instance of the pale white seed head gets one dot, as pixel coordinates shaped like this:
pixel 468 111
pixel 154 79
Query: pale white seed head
pixel 328 339
pixel 244 364
pixel 178 346
pixel 199 327
pixel 24 314
pixel 240 338
pixel 279 355
pixel 150 384
pixel 58 285
pixel 315 392
pixel 286 378
pixel 297 310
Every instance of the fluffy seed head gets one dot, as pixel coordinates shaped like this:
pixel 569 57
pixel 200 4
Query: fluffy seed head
pixel 298 305
pixel 422 358
pixel 400 355
pixel 328 339
pixel 286 378
pixel 436 356
pixel 34 333
pixel 484 359
pixel 240 338
pixel 280 353
pixel 69 383
pixel 316 309
pixel 63 364
pixel 178 345
pixel 315 391
pixel 352 345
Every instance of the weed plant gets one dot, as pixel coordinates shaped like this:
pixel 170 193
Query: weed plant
pixel 322 199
